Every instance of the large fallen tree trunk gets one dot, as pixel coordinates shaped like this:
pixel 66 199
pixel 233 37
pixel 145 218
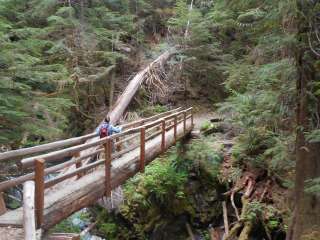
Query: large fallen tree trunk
pixel 125 98
pixel 127 95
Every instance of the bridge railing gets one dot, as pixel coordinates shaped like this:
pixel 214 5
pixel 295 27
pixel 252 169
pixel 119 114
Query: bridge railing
pixel 22 153
pixel 109 148
pixel 60 154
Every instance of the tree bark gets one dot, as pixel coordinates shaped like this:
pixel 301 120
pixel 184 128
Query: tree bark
pixel 306 215
pixel 133 86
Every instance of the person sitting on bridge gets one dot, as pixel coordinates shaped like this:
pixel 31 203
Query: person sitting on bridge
pixel 107 129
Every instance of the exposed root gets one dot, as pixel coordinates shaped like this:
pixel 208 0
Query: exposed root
pixel 234 206
pixel 155 80
pixel 243 226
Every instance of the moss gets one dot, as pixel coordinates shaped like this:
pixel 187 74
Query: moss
pixel 108 230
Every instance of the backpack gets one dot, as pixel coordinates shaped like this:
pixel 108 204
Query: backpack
pixel 104 132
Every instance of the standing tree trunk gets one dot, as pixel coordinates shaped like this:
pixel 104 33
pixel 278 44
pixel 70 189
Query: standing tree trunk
pixel 306 217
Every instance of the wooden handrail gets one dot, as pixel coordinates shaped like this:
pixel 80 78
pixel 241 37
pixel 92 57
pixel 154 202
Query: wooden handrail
pixel 30 176
pixel 115 155
pixel 20 153
pixel 86 168
pixel 152 118
pixel 19 180
pixel 69 152
pixel 83 169
pixel 57 155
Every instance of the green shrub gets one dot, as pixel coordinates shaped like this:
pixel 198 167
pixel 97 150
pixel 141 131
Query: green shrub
pixel 108 230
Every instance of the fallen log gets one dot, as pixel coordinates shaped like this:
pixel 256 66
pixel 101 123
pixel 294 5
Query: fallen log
pixel 126 97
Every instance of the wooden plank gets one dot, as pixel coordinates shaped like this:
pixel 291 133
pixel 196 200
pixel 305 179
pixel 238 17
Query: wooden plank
pixel 142 148
pixel 29 220
pixel 39 194
pixel 12 218
pixel 108 158
pixel 11 233
pixel 3 208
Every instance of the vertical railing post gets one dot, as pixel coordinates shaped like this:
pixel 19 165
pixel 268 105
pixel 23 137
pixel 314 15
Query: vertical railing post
pixel 184 121
pixel 39 191
pixel 191 118
pixel 119 147
pixel 142 148
pixel 175 129
pixel 107 163
pixel 78 164
pixel 163 136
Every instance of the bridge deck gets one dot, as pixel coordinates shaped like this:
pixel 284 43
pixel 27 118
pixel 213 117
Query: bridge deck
pixel 91 187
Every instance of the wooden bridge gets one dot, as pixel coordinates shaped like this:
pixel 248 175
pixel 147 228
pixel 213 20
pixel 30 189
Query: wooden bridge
pixel 86 169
